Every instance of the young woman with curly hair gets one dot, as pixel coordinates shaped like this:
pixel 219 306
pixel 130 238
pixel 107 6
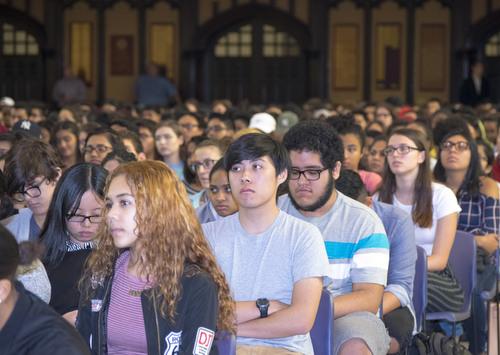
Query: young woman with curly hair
pixel 152 286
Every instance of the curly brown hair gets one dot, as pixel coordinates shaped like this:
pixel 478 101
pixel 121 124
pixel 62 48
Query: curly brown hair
pixel 169 236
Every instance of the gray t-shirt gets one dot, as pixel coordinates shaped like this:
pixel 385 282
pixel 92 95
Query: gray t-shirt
pixel 268 265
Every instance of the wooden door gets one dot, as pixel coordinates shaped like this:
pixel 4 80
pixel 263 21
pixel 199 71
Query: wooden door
pixel 258 62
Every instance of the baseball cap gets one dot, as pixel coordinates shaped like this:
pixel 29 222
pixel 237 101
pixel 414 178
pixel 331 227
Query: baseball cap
pixel 263 121
pixel 7 101
pixel 28 127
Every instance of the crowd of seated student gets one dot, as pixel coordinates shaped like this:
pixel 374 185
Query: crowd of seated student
pixel 424 169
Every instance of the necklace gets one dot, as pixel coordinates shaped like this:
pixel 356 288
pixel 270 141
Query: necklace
pixel 135 293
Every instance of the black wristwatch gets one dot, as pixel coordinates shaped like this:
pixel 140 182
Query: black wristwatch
pixel 263 306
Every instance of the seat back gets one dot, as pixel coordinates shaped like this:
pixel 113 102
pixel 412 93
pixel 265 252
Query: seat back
pixel 226 343
pixel 420 287
pixel 462 262
pixel 322 330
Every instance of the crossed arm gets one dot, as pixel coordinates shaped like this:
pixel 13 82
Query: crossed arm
pixel 283 320
pixel 364 297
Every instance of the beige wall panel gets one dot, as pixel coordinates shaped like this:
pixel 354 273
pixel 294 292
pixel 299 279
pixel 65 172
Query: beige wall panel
pixel 302 10
pixel 389 12
pixel 283 5
pixel 163 13
pixel 81 12
pixel 121 19
pixel 37 10
pixel 224 5
pixel 346 14
pixel 478 9
pixel 432 14
pixel 205 11
pixel 495 4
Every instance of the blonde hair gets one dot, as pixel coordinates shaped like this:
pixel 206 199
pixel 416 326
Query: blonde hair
pixel 169 237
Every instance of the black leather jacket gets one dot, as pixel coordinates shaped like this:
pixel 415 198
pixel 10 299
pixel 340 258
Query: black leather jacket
pixel 191 333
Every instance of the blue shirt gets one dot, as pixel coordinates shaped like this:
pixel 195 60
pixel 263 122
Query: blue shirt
pixel 480 214
pixel 403 251
pixel 153 90
pixel 34 230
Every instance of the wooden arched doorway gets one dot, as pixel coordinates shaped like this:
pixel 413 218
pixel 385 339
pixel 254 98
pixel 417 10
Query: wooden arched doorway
pixel 248 56
pixel 21 60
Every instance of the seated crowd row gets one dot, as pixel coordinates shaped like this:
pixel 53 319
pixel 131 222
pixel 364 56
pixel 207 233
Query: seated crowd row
pixel 284 209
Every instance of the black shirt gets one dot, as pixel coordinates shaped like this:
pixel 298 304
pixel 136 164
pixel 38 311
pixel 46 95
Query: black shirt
pixel 64 280
pixel 34 328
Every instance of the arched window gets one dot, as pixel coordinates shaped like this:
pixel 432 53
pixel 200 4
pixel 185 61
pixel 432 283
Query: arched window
pixel 18 42
pixel 235 44
pixel 492 48
pixel 279 44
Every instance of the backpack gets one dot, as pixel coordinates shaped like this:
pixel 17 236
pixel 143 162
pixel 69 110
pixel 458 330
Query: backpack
pixel 436 344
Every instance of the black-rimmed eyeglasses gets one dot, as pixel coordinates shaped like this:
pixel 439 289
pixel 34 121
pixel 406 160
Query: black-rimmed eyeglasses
pixel 79 218
pixel 32 191
pixel 309 174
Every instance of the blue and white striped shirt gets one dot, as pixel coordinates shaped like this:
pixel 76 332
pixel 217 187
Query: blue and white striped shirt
pixel 355 240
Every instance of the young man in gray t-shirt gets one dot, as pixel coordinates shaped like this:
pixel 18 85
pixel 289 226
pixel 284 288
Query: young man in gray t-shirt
pixel 274 262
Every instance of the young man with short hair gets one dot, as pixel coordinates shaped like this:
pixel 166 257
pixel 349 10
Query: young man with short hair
pixel 274 263
pixel 354 237
pixel 32 169
pixel 219 126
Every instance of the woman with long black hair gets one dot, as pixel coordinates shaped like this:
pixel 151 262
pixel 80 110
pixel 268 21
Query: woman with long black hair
pixel 69 234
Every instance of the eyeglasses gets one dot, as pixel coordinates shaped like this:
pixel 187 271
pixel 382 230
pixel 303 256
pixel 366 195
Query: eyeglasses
pixel 100 148
pixel 78 218
pixel 189 126
pixel 460 146
pixel 402 149
pixel 216 128
pixel 309 174
pixel 207 164
pixel 32 191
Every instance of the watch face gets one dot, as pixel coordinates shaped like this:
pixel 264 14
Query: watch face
pixel 262 302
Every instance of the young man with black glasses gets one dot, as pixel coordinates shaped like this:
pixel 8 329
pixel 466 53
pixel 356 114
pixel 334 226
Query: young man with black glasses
pixel 354 237
pixel 32 169
pixel 274 263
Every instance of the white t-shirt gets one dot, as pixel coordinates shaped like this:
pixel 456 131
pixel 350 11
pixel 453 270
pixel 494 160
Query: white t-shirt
pixel 444 203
